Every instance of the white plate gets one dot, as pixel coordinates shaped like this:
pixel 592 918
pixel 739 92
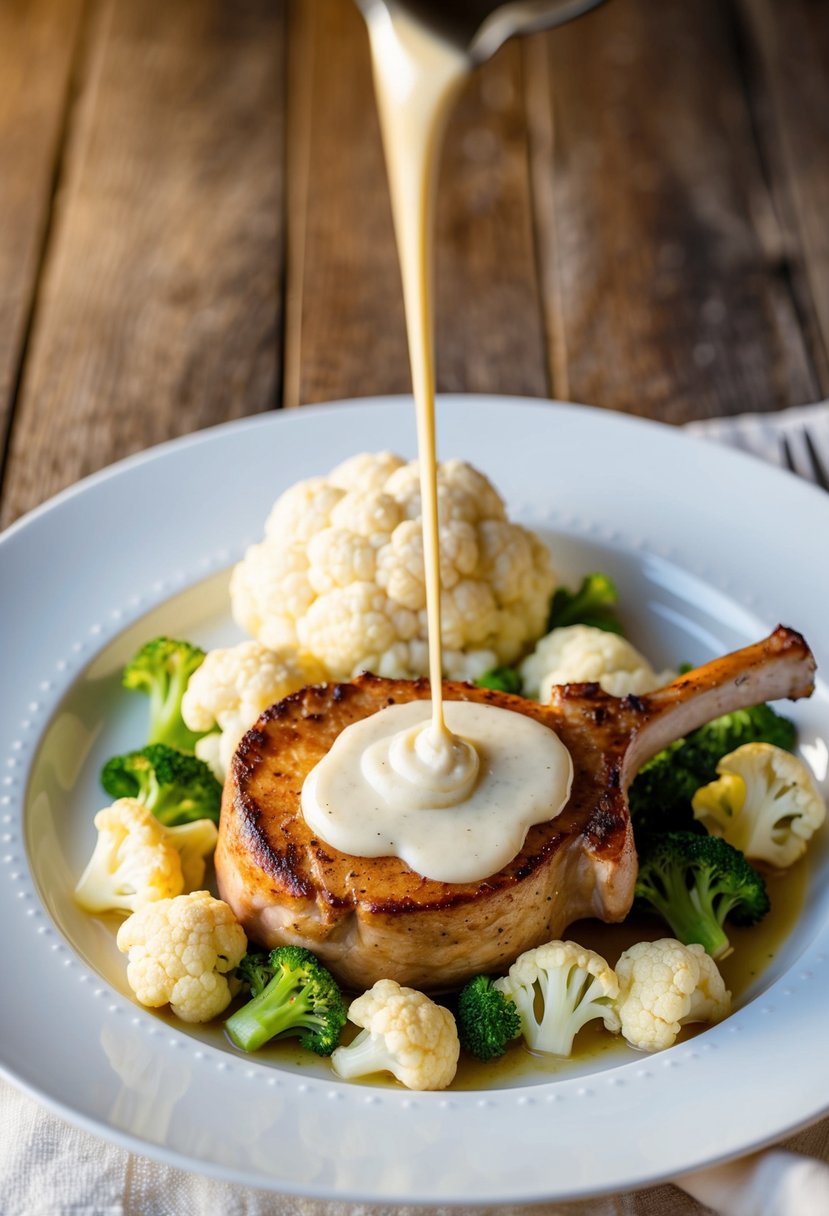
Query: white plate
pixel 711 550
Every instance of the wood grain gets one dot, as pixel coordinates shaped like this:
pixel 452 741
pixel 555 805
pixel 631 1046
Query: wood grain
pixel 790 89
pixel 490 335
pixel 39 42
pixel 344 297
pixel 663 289
pixel 160 305
pixel 632 213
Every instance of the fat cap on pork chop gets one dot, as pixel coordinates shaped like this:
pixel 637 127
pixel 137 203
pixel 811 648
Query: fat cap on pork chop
pixel 373 918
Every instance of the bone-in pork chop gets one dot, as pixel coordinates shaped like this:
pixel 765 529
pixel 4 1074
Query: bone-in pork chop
pixel 369 918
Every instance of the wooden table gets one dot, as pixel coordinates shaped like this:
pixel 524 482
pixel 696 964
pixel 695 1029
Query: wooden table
pixel 194 223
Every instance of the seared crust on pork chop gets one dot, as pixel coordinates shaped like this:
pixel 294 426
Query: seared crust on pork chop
pixel 370 918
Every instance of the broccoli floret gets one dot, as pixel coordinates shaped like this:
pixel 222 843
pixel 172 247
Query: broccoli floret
pixel 706 746
pixel 300 997
pixel 694 883
pixel 176 787
pixel 503 679
pixel 161 668
pixel 660 796
pixel 255 971
pixel 487 1019
pixel 593 604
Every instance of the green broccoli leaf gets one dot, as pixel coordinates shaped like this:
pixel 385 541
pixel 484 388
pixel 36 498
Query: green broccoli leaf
pixel 503 679
pixel 594 604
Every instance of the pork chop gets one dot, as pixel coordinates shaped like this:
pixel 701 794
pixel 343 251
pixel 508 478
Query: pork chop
pixel 370 918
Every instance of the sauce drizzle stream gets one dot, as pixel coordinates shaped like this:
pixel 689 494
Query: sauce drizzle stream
pixel 454 804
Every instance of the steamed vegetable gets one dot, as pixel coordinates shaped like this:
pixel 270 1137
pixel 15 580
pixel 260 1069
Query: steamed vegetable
pixel 593 603
pixel 137 860
pixel 503 679
pixel 340 573
pixel 232 687
pixel 161 669
pixel 660 796
pixel 404 1033
pixel 576 654
pixel 292 993
pixel 557 989
pixel 488 1019
pixel 764 802
pixel 694 883
pixel 175 786
pixel 181 952
pixel 664 985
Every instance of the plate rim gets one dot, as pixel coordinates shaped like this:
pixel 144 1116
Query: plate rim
pixel 191 443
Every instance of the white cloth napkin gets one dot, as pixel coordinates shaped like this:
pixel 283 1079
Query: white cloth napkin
pixel 51 1168
pixel 762 434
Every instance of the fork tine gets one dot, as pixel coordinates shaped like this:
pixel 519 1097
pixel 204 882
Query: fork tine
pixel 788 458
pixel 811 466
pixel 819 470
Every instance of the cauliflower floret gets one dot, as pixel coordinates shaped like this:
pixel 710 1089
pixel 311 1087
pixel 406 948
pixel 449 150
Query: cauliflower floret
pixel 270 590
pixel 404 1033
pixel 354 620
pixel 137 861
pixel 339 557
pixel 303 510
pixel 764 803
pixel 340 572
pixel 578 654
pixel 180 952
pixel 558 988
pixel 663 986
pixel 233 686
pixel 366 471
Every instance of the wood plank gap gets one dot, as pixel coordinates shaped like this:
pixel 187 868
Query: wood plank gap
pixel 299 92
pixel 74 87
pixel 672 301
pixel 541 141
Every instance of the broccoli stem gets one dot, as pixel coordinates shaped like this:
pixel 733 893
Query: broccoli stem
pixel 165 707
pixel 279 1008
pixel 691 913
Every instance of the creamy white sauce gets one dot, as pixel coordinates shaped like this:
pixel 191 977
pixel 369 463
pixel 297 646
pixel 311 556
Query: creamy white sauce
pixel 360 800
pixel 451 790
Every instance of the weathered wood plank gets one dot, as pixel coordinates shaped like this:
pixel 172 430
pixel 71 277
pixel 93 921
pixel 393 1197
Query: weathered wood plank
pixel 490 335
pixel 345 305
pixel 38 44
pixel 663 290
pixel 159 311
pixel 791 96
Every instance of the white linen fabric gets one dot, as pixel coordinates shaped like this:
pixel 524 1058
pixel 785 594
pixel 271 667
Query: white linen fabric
pixel 50 1168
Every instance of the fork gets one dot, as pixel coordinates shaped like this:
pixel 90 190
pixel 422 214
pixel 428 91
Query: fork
pixel 816 469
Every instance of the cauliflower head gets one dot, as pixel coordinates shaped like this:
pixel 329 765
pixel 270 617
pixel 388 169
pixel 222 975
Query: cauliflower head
pixel 137 860
pixel 663 986
pixel 764 803
pixel 404 1033
pixel 232 687
pixel 576 654
pixel 558 988
pixel 180 952
pixel 340 574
